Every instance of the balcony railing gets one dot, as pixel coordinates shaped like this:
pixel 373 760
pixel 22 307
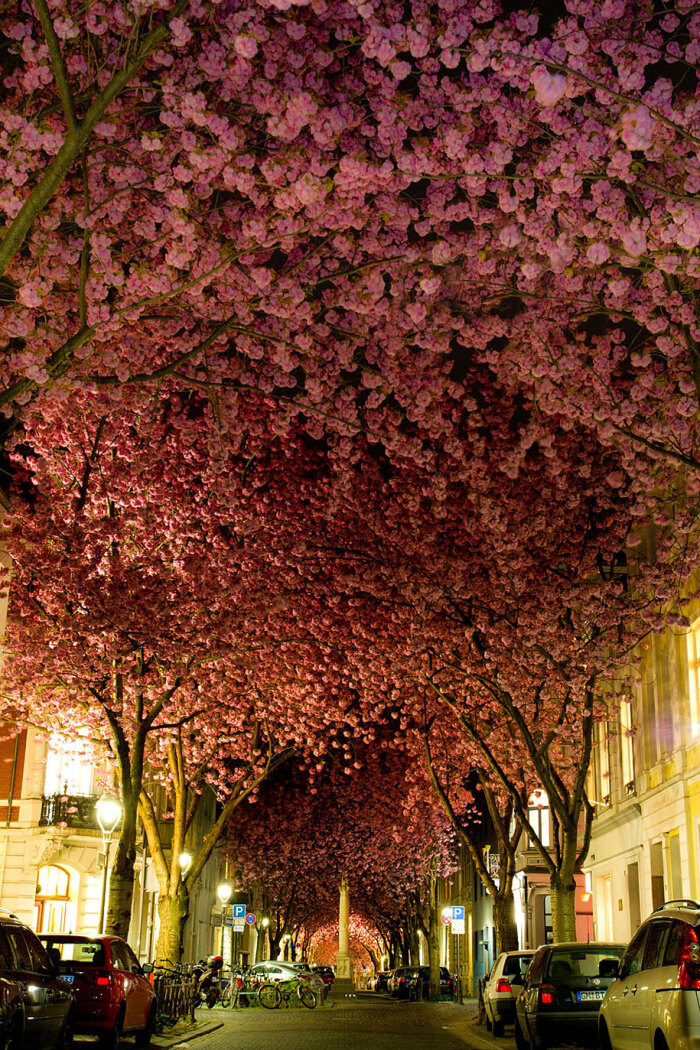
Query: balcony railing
pixel 69 811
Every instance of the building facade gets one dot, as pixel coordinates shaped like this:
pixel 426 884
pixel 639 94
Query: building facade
pixel 52 858
pixel 646 834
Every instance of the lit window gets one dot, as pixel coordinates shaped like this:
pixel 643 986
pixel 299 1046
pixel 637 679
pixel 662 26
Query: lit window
pixel 69 767
pixel 693 643
pixel 603 752
pixel 52 908
pixel 538 815
pixel 627 747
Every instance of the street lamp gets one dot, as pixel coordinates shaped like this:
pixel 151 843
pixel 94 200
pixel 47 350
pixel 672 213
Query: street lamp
pixel 266 932
pixel 109 813
pixel 223 892
pixel 185 862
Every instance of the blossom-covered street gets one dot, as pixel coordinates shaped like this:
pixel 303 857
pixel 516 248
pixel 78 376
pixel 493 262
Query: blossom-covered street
pixel 364 1023
pixel 349 510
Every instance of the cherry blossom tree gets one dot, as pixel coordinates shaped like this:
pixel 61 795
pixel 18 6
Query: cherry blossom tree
pixel 124 621
pixel 384 315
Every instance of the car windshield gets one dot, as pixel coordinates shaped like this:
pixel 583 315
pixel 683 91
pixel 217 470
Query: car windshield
pixel 580 962
pixel 87 952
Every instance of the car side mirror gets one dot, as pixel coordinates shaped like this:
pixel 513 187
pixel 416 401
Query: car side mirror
pixel 609 968
pixel 147 968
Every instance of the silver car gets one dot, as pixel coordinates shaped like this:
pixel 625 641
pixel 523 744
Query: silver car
pixel 499 992
pixel 275 970
pixel 654 1003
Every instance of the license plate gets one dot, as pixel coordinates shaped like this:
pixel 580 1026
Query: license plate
pixel 587 996
pixel 68 977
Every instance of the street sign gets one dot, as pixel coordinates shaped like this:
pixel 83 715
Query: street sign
pixel 228 920
pixel 238 927
pixel 239 911
pixel 446 919
pixel 250 918
pixel 457 918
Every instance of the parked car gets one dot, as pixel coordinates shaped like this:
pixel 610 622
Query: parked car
pixel 112 992
pixel 380 981
pixel 326 973
pixel 561 994
pixel 36 1004
pixel 419 987
pixel 400 982
pixel 499 991
pixel 274 970
pixel 654 1000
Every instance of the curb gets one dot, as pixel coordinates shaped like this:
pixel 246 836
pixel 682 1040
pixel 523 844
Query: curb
pixel 160 1042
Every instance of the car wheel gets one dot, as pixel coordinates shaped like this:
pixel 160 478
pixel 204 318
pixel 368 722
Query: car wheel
pixel 110 1040
pixel 498 1027
pixel 521 1041
pixel 604 1037
pixel 487 1020
pixel 143 1038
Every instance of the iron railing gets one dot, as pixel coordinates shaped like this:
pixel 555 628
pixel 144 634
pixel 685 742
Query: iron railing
pixel 176 995
pixel 69 811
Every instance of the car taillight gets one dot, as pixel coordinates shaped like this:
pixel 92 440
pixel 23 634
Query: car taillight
pixel 103 980
pixel 689 966
pixel 503 985
pixel 548 994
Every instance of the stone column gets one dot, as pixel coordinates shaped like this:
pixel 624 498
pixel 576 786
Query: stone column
pixel 342 968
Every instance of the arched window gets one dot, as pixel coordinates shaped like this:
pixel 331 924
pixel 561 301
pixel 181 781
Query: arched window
pixel 51 905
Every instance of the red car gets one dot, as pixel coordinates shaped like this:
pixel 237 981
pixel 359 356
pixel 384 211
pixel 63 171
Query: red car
pixel 113 996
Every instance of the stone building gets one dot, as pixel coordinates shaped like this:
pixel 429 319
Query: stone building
pixel 646 835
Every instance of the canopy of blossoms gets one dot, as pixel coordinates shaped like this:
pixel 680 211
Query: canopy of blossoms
pixel 348 361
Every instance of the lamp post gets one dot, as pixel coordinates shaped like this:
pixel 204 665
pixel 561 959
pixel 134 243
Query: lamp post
pixel 185 862
pixel 109 813
pixel 223 892
pixel 266 930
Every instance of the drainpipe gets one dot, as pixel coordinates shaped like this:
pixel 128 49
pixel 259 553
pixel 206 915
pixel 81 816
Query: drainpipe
pixel 13 774
pixel 142 898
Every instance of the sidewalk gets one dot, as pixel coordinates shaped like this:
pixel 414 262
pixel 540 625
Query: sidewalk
pixel 465 1027
pixel 184 1031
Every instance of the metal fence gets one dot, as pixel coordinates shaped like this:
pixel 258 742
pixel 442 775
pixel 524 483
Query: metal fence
pixel 175 995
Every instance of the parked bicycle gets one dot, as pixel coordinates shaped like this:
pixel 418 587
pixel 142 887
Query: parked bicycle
pixel 298 989
pixel 247 988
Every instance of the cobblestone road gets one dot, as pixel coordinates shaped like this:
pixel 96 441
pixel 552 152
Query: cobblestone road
pixel 347 1024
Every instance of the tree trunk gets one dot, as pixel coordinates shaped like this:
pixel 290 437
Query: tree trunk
pixel 563 890
pixel 413 948
pixel 504 921
pixel 173 910
pixel 121 891
pixel 433 931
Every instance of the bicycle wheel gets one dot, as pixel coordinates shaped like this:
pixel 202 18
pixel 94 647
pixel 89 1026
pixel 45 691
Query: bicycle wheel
pixel 226 995
pixel 307 996
pixel 269 996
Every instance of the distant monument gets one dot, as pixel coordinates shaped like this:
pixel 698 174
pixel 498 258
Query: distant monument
pixel 343 970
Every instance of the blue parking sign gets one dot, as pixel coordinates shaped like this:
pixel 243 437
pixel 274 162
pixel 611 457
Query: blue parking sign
pixel 457 912
pixel 239 911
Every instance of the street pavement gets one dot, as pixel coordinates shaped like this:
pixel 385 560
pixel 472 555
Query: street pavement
pixel 367 1022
